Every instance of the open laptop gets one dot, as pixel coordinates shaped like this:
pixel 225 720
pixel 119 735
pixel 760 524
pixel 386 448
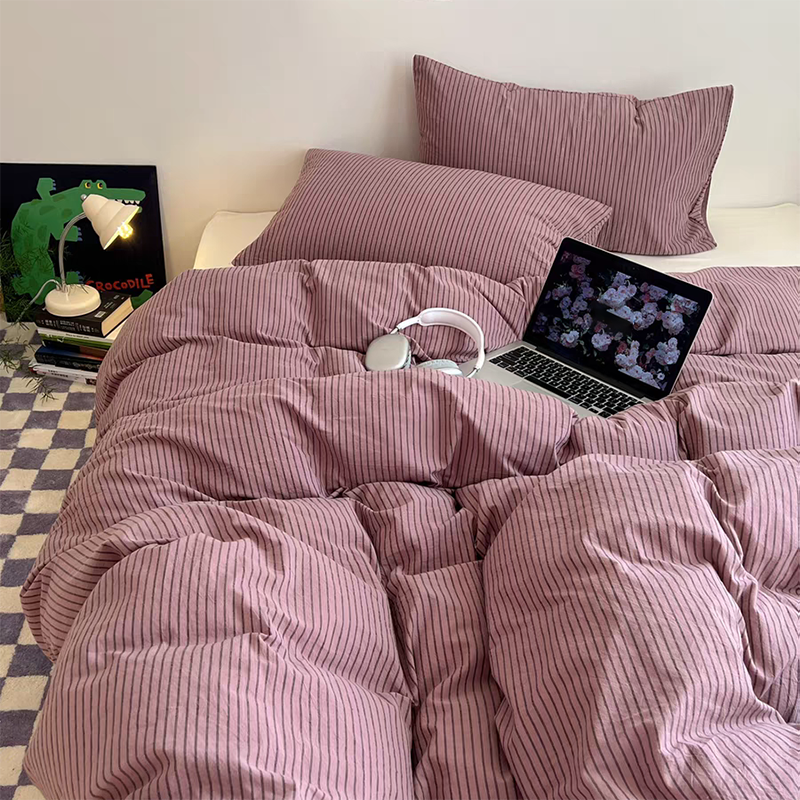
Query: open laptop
pixel 606 333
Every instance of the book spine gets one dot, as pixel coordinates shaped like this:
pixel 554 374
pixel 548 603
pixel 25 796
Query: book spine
pixel 76 340
pixel 64 376
pixel 78 350
pixel 70 362
pixel 73 326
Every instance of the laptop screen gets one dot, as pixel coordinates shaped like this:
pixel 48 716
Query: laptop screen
pixel 617 319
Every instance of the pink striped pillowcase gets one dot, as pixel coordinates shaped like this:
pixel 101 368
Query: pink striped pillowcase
pixel 650 160
pixel 364 208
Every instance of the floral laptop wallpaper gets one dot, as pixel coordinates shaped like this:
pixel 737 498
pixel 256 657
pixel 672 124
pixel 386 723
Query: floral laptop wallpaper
pixel 605 319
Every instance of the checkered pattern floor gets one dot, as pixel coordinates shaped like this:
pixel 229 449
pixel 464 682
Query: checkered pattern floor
pixel 43 444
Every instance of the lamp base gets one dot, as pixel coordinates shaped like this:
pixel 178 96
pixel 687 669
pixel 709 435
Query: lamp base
pixel 74 300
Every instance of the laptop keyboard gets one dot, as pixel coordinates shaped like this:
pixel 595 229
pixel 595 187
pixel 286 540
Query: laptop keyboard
pixel 574 386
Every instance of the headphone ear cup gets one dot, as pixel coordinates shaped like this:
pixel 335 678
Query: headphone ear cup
pixel 442 365
pixel 388 352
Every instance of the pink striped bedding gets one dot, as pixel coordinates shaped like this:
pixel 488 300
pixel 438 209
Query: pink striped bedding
pixel 364 208
pixel 280 576
pixel 650 160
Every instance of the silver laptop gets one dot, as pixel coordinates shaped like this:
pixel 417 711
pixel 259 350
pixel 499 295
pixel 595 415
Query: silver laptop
pixel 606 333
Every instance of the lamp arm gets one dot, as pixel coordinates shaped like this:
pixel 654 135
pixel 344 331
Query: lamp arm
pixel 61 241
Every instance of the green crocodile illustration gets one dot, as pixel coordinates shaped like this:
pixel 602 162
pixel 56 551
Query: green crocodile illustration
pixel 38 220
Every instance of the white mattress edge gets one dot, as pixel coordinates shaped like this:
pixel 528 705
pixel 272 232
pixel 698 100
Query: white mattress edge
pixel 761 236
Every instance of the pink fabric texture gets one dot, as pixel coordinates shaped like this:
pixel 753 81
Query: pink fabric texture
pixel 650 160
pixel 364 208
pixel 281 576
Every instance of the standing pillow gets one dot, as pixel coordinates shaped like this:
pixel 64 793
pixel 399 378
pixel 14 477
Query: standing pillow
pixel 650 160
pixel 364 208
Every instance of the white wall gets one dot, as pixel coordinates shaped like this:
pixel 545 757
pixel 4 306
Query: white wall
pixel 224 97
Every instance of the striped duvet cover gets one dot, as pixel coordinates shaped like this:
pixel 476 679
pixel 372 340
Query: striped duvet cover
pixel 280 576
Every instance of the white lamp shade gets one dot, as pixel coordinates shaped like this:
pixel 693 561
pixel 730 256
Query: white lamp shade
pixel 109 218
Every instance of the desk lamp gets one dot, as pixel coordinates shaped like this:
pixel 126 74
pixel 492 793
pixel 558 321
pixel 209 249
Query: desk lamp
pixel 110 219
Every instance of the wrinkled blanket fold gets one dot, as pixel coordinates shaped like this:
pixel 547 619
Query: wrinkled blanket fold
pixel 281 576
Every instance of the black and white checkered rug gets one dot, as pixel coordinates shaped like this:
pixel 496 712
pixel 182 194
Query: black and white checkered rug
pixel 43 444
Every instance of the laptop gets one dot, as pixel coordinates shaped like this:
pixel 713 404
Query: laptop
pixel 606 333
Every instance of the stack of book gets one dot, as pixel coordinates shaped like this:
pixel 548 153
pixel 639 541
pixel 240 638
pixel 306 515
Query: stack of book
pixel 74 347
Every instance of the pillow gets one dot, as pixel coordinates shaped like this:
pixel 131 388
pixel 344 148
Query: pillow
pixel 364 208
pixel 650 160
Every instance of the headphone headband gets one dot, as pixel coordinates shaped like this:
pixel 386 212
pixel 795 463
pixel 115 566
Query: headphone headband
pixel 450 318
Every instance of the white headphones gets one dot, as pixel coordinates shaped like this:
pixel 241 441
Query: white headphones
pixel 393 350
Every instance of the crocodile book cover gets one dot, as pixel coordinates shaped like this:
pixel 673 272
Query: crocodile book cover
pixel 37 201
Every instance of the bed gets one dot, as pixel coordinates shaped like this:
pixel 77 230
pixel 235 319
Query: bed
pixel 280 575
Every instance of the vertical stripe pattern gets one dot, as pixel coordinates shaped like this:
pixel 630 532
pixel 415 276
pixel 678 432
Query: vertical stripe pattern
pixel 654 666
pixel 649 160
pixel 364 208
pixel 281 576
